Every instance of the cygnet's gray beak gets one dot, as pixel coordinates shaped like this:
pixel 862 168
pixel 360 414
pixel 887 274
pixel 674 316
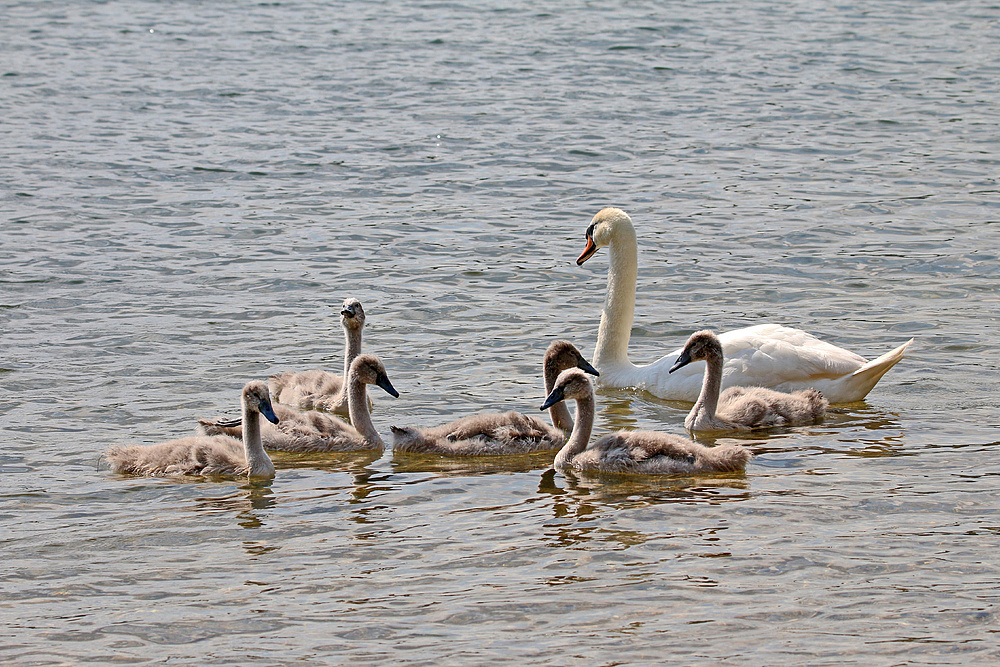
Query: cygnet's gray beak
pixel 683 360
pixel 268 412
pixel 585 366
pixel 556 396
pixel 383 382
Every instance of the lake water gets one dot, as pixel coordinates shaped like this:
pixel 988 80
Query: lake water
pixel 189 190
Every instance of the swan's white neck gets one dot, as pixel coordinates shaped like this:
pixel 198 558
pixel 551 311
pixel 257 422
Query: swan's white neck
pixel 619 304
pixel 258 462
pixel 580 436
pixel 357 409
pixel 708 400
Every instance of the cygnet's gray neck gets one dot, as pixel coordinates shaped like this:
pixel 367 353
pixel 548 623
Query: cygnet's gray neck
pixel 711 385
pixel 258 462
pixel 559 412
pixel 352 340
pixel 357 408
pixel 580 436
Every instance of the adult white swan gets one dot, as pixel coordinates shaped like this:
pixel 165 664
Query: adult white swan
pixel 765 355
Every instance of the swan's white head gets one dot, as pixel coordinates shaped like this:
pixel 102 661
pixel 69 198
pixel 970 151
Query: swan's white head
pixel 701 346
pixel 571 383
pixel 369 369
pixel 258 398
pixel 352 315
pixel 606 225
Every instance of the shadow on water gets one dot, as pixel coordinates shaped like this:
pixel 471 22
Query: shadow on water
pixel 352 462
pixel 250 503
pixel 856 430
pixel 579 501
pixel 253 504
pixel 642 490
pixel 448 466
pixel 616 410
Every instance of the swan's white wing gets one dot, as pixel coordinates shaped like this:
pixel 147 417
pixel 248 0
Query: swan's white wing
pixel 764 355
pixel 768 355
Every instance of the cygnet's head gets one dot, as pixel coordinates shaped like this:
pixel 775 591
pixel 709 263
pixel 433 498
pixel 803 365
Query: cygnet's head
pixel 608 223
pixel 571 383
pixel 701 346
pixel 562 354
pixel 258 398
pixel 369 369
pixel 352 315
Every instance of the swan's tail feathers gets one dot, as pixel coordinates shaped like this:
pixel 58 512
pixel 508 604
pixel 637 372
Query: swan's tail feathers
pixel 117 458
pixel 405 439
pixel 730 458
pixel 816 404
pixel 865 378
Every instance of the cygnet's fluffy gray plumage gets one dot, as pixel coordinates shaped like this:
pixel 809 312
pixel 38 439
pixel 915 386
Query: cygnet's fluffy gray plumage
pixel 318 389
pixel 203 454
pixel 741 408
pixel 635 452
pixel 316 432
pixel 488 434
pixel 500 433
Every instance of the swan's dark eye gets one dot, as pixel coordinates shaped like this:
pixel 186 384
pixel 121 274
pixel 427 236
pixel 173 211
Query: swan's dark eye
pixel 590 230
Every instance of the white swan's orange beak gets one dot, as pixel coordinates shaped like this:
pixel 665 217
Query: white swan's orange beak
pixel 588 252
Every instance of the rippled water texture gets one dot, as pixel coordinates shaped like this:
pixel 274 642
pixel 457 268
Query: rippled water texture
pixel 190 189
